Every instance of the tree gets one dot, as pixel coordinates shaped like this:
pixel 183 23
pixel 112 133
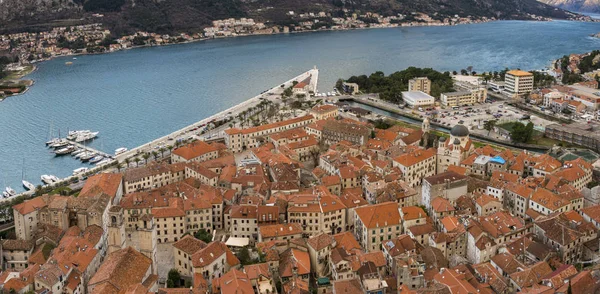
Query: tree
pixel 203 235
pixel 137 161
pixel 127 161
pixel 339 85
pixel 244 256
pixel 154 154
pixel 454 73
pixel 464 72
pixel 162 151
pixel 170 147
pixel 174 277
pixel 521 133
pixel 489 125
pixel 145 157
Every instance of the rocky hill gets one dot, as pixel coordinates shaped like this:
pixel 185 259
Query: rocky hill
pixel 575 5
pixel 165 16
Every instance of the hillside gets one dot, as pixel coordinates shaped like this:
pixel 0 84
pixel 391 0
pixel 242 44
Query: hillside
pixel 575 5
pixel 166 16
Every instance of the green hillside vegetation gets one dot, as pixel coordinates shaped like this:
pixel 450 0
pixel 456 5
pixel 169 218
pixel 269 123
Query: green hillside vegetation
pixel 390 87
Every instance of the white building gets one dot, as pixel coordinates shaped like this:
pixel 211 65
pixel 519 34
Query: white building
pixel 518 83
pixel 417 98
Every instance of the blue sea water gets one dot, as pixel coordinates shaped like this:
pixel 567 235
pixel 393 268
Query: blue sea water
pixel 134 96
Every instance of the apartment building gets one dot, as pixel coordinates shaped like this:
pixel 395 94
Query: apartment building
pixel 213 261
pixel 335 131
pixel 416 165
pixel 448 185
pixel 324 111
pixel 422 84
pixel 245 220
pixel 377 223
pixel 463 98
pixel 198 151
pixel 183 250
pixel 152 176
pixel 518 83
pixel 238 140
pixel 279 232
pixel 317 213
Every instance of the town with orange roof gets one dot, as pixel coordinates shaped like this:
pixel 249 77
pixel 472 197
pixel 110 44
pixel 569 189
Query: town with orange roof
pixel 324 201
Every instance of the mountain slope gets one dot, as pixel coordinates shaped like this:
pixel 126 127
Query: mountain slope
pixel 165 16
pixel 575 5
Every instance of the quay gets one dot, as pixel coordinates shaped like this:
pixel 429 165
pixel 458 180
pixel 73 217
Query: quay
pixel 233 111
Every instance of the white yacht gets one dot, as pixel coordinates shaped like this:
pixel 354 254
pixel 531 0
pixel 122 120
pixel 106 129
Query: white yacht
pixel 65 150
pixel 10 191
pixel 59 143
pixel 27 185
pixel 96 159
pixel 47 179
pixel 80 171
pixel 120 150
pixel 104 161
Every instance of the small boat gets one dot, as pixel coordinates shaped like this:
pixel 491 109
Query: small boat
pixel 88 156
pixel 68 63
pixel 77 152
pixel 65 150
pixel 10 191
pixel 120 150
pixel 27 185
pixel 5 194
pixel 74 58
pixel 96 159
pixel 80 170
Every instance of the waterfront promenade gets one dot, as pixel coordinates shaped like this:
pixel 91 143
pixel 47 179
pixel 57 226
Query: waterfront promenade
pixel 187 132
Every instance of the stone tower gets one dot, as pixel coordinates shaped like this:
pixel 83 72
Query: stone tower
pixel 116 229
pixel 425 127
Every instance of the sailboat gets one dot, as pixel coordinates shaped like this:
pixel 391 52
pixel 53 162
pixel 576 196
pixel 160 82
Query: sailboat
pixel 27 185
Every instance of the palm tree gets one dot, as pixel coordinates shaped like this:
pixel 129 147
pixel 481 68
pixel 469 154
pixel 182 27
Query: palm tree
pixel 154 154
pixel 137 161
pixel 162 151
pixel 127 161
pixel 170 147
pixel 119 166
pixel 146 156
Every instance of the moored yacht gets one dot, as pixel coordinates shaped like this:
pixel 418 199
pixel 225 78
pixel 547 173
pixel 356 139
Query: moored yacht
pixel 47 179
pixel 120 150
pixel 11 191
pixel 27 185
pixel 96 159
pixel 80 171
pixel 65 150
pixel 87 156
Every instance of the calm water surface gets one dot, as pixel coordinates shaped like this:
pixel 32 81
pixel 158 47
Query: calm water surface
pixel 134 96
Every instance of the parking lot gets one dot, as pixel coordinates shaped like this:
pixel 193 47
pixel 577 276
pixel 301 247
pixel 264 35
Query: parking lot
pixel 476 115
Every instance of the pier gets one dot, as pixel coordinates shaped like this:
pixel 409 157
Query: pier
pixel 90 149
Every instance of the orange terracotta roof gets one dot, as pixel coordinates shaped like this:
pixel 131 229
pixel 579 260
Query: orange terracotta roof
pixel 412 158
pixel 194 149
pixel 280 230
pixel 379 215
pixel 107 183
